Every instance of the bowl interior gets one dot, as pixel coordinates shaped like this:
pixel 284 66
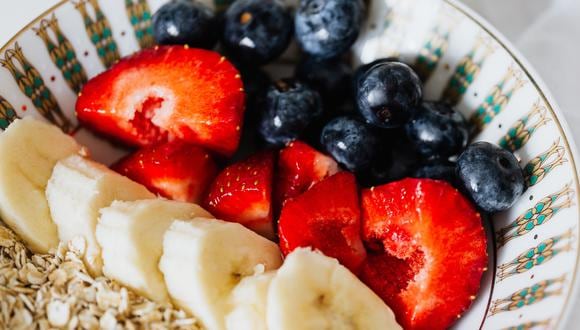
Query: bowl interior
pixel 533 247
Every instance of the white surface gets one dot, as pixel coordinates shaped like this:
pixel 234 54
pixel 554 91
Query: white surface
pixel 545 31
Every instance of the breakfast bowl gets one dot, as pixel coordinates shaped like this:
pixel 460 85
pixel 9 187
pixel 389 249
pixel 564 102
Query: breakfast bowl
pixel 531 278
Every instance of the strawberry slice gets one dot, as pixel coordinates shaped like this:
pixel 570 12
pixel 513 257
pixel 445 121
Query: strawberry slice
pixel 175 170
pixel 299 167
pixel 426 251
pixel 327 218
pixel 167 93
pixel 242 193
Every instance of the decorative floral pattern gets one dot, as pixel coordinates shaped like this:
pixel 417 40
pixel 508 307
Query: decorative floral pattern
pixel 62 53
pixel 99 31
pixel 468 70
pixel 537 255
pixel 536 216
pixel 528 296
pixel 436 46
pixel 537 169
pixel 7 113
pixel 140 16
pixel 497 99
pixel 531 325
pixel 521 132
pixel 32 85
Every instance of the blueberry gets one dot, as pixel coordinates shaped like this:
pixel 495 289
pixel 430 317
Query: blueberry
pixel 361 70
pixel 491 176
pixel 379 172
pixel 181 22
pixel 387 93
pixel 256 31
pixel 327 28
pixel 438 170
pixel 290 107
pixel 256 84
pixel 437 130
pixel 331 78
pixel 351 142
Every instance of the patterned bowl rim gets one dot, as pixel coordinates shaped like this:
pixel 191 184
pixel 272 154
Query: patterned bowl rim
pixel 561 124
pixel 530 72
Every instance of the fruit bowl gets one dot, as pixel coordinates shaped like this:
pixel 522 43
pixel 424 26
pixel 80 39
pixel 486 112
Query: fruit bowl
pixel 534 257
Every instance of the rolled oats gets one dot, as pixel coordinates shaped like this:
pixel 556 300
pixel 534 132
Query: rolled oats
pixel 55 290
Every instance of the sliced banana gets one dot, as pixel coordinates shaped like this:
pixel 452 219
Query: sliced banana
pixel 76 191
pixel 249 300
pixel 131 238
pixel 203 260
pixel 312 291
pixel 30 149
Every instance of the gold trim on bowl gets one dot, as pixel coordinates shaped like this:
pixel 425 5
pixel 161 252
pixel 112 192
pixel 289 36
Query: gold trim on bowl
pixel 509 48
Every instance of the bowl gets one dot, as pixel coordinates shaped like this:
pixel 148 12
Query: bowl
pixel 532 277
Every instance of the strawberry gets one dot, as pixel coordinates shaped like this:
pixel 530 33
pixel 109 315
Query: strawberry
pixel 299 167
pixel 426 251
pixel 327 218
pixel 242 193
pixel 175 170
pixel 167 93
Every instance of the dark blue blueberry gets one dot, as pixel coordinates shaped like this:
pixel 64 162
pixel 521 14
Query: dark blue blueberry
pixel 438 170
pixel 331 78
pixel 361 70
pixel 328 28
pixel 256 31
pixel 396 159
pixel 436 130
pixel 351 142
pixel 256 84
pixel 387 94
pixel 379 172
pixel 186 22
pixel 491 176
pixel 290 107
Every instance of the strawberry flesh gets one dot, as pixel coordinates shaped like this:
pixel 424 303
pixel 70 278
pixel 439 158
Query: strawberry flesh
pixel 175 170
pixel 427 251
pixel 242 193
pixel 327 218
pixel 299 167
pixel 167 93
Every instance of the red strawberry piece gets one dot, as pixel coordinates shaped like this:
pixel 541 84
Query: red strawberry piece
pixel 242 193
pixel 175 170
pixel 299 167
pixel 426 251
pixel 167 93
pixel 327 218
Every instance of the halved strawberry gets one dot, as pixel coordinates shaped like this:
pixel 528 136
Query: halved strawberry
pixel 426 251
pixel 175 170
pixel 167 93
pixel 299 167
pixel 242 193
pixel 327 218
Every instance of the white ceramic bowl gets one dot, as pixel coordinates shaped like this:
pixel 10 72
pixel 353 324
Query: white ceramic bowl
pixel 534 252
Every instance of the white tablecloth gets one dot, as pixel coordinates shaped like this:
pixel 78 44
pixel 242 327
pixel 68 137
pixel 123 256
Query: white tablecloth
pixel 545 31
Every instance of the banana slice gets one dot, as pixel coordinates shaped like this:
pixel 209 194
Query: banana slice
pixel 249 300
pixel 131 238
pixel 312 291
pixel 76 191
pixel 30 149
pixel 203 260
